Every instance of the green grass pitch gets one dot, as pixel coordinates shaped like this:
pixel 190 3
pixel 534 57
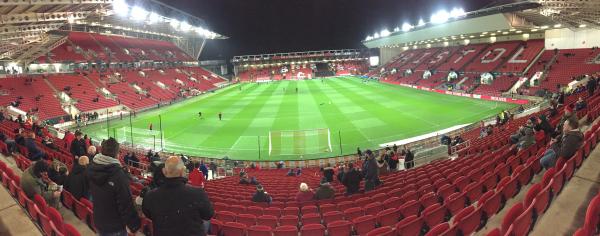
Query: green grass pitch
pixel 364 114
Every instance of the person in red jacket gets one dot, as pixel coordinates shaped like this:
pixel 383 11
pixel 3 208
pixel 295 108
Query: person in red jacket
pixel 305 194
pixel 196 177
pixel 69 137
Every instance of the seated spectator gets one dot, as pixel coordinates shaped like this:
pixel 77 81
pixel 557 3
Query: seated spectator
pixel 76 182
pixel 325 191
pixel 298 171
pixel 291 172
pixel 280 165
pixel 35 154
pixel 131 160
pixel 34 180
pixel 351 179
pixel 91 152
pixel 48 142
pixel 305 194
pixel 409 158
pixel 568 114
pixel 261 195
pixel 544 125
pixel 328 173
pixel 564 146
pixel 196 178
pixel 57 172
pixel 526 140
pixel 244 179
pixel 580 104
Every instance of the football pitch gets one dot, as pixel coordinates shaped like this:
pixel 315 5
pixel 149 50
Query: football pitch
pixel 274 121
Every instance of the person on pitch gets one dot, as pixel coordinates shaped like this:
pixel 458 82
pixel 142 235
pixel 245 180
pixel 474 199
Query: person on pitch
pixel 200 114
pixel 220 116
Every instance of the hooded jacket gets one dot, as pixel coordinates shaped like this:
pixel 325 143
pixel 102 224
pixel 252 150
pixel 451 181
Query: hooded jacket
pixel 177 209
pixel 113 204
pixel 77 182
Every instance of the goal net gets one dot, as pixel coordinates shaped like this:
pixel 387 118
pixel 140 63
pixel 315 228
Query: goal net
pixel 299 142
pixel 143 137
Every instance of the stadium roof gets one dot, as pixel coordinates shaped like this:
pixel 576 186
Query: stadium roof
pixel 26 23
pixel 515 18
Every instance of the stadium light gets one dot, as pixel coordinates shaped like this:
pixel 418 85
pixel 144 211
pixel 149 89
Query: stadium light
pixel 407 27
pixel 544 27
pixel 582 26
pixel 153 18
pixel 396 29
pixel 421 23
pixel 440 17
pixel 376 36
pixel 557 26
pixel 120 7
pixel 457 12
pixel 174 23
pixel 185 26
pixel 385 33
pixel 138 13
pixel 369 38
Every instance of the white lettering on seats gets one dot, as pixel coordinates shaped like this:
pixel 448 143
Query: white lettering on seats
pixel 514 59
pixel 439 57
pixel 421 58
pixel 464 53
pixel 499 53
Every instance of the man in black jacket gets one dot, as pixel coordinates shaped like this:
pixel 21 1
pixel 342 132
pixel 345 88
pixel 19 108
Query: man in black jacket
pixel 78 145
pixel 176 208
pixel 352 179
pixel 77 183
pixel 564 146
pixel 114 211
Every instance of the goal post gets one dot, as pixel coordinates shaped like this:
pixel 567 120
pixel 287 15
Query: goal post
pixel 143 137
pixel 299 142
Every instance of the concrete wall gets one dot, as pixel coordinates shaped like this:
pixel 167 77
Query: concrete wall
pixel 571 39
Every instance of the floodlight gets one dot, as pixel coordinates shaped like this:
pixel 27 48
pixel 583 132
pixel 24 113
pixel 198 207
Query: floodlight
pixel 557 26
pixel 376 36
pixel 153 17
pixel 175 23
pixel 120 7
pixel 440 17
pixel 369 38
pixel 421 23
pixel 185 26
pixel 384 33
pixel 582 26
pixel 544 27
pixel 407 27
pixel 396 29
pixel 138 13
pixel 457 12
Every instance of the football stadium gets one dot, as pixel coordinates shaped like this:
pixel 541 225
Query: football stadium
pixel 299 118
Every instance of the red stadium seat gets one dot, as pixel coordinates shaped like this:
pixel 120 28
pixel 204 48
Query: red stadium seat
pixel 410 195
pixel 353 213
pixel 364 224
pixel 274 211
pixel 309 209
pixel 313 229
pixel 468 220
pixel 246 219
pixel 411 225
pixel 255 210
pixel 512 214
pixel 438 229
pixel 434 215
pixel 490 203
pixel 268 220
pixel 311 218
pixel 339 228
pixel 446 190
pixel 215 226
pixel 259 230
pixel 324 208
pixel 233 228
pixel 389 217
pixel 286 230
pixel 455 203
pixel 392 202
pixel 291 211
pixel 332 216
pixel 410 208
pixel 289 220
pixel 428 199
pixel 373 208
pixel 558 181
pixel 382 231
pixel 524 222
pixel 225 216
pixel 70 230
pixel 473 191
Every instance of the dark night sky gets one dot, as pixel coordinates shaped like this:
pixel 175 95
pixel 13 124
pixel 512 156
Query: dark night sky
pixel 270 26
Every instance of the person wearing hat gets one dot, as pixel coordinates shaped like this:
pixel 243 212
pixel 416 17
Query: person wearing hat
pixel 78 147
pixel 261 195
pixel 114 210
pixel 325 191
pixel 34 180
pixel 176 208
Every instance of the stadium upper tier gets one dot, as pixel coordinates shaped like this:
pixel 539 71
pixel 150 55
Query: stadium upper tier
pixel 305 70
pixel 51 96
pixel 83 47
pixel 507 61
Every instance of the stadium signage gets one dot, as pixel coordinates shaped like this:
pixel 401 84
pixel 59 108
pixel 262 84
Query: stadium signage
pixel 476 96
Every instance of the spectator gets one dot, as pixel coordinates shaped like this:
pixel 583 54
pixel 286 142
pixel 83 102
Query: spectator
pixel 78 145
pixel 409 158
pixel 580 104
pixel 114 211
pixel 564 146
pixel 526 140
pixel 35 154
pixel 569 114
pixel 371 173
pixel 187 207
pixel 591 85
pixel 204 169
pixel 280 165
pixel 325 191
pixel 328 173
pixel 34 180
pixel 57 172
pixel 131 160
pixel 213 169
pixel 382 164
pixel 261 195
pixel 358 152
pixel 91 152
pixel 291 172
pixel 196 178
pixel 298 171
pixel 351 179
pixel 340 174
pixel 305 194
pixel 48 142
pixel 544 125
pixel 77 182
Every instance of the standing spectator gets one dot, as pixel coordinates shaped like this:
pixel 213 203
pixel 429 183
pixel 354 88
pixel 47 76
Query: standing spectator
pixel 196 178
pixel 35 153
pixel 204 169
pixel 305 194
pixel 261 195
pixel 186 209
pixel 371 173
pixel 77 182
pixel 328 173
pixel 78 145
pixel 213 169
pixel 131 160
pixel 114 211
pixel 34 180
pixel 91 152
pixel 409 158
pixel 325 191
pixel 591 85
pixel 565 146
pixel 358 152
pixel 351 179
